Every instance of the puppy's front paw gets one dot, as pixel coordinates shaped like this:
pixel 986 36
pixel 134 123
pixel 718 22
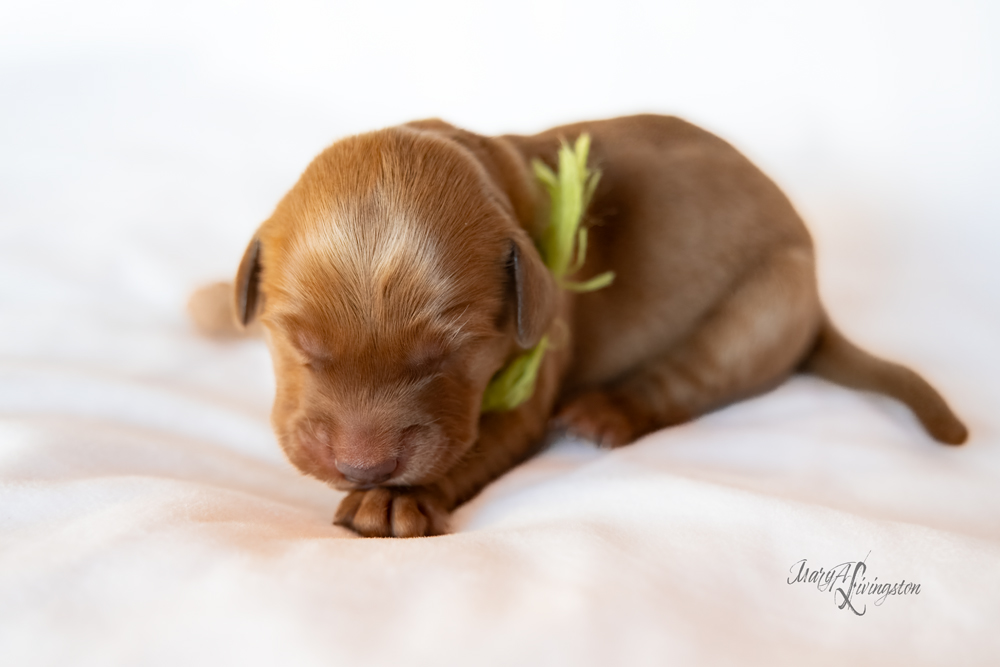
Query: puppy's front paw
pixel 392 512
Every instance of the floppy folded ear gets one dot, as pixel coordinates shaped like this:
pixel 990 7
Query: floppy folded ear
pixel 534 292
pixel 247 279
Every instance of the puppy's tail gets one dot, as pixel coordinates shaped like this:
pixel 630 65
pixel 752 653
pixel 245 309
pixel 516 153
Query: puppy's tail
pixel 213 312
pixel 837 359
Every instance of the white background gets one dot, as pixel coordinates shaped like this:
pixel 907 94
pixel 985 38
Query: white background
pixel 146 515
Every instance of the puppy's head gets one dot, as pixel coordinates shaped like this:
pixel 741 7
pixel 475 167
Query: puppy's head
pixel 393 281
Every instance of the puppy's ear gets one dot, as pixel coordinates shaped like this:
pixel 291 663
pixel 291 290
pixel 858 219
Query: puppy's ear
pixel 506 169
pixel 534 292
pixel 247 280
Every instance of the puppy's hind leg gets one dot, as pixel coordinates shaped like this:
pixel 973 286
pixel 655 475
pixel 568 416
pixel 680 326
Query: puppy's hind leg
pixel 213 312
pixel 751 341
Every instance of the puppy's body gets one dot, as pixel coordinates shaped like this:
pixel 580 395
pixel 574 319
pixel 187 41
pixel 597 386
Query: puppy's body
pixel 399 275
pixel 685 222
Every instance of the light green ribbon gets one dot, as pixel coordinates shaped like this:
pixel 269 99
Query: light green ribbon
pixel 563 248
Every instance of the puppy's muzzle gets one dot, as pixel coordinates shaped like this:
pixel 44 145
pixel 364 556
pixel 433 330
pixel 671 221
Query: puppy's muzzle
pixel 363 456
pixel 375 474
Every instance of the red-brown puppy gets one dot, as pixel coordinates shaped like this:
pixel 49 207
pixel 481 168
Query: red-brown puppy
pixel 399 275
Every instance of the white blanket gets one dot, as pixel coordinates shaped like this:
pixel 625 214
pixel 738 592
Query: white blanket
pixel 147 516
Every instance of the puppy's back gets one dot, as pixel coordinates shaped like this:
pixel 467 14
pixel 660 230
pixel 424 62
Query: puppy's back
pixel 679 216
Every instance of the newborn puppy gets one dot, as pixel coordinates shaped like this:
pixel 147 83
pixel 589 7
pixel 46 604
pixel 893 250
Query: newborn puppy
pixel 400 274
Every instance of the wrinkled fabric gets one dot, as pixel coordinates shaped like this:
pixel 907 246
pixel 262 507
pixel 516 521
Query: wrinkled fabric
pixel 148 517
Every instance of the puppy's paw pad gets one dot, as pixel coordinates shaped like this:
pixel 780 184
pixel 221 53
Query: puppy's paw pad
pixel 389 512
pixel 598 417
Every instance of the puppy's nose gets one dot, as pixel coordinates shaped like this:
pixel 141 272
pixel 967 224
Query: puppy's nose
pixel 367 474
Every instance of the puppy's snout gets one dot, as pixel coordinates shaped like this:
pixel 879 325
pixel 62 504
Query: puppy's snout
pixel 367 474
pixel 362 455
pixel 366 455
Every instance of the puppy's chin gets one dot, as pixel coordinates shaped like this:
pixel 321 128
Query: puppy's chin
pixel 419 454
pixel 419 464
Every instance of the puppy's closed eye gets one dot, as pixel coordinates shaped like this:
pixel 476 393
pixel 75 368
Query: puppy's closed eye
pixel 427 358
pixel 315 353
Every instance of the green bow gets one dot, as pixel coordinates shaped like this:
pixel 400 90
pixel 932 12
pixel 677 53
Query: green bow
pixel 563 248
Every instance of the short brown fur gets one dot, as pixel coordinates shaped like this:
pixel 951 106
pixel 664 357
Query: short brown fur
pixel 399 275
